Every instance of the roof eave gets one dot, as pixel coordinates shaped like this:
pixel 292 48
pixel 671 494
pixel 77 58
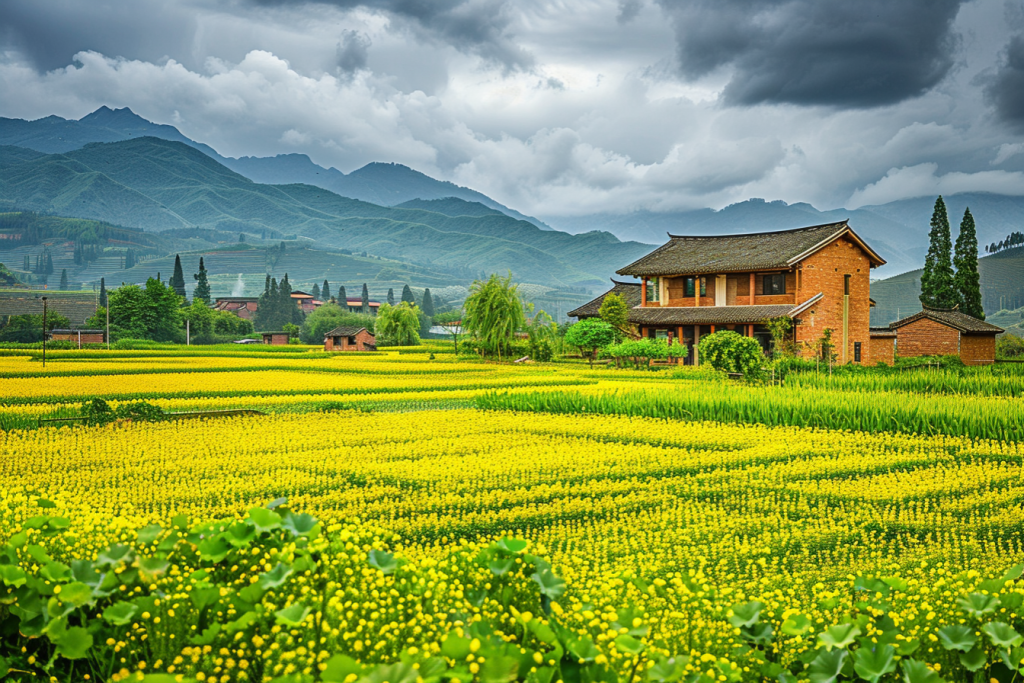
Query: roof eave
pixel 873 256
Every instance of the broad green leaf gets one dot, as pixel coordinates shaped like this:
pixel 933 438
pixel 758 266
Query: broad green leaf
pixel 203 597
pixel 55 572
pixel 74 593
pixel 978 605
pixel 147 535
pixel 455 647
pixel 38 553
pixel 399 672
pixel 838 636
pixel 85 571
pixel 973 660
pixel 542 632
pixel 501 566
pixel 1001 635
pixel 339 667
pixel 293 615
pixel 746 613
pixel 12 576
pixel 1012 657
pixel 796 625
pixel 252 593
pixel 115 555
pixel 43 503
pixel 275 577
pixel 512 545
pixel 241 623
pixel 57 523
pixel 214 549
pixel 120 613
pixel 1014 572
pixel 240 534
pixel 264 519
pixel 301 525
pixel 872 664
pixel 550 584
pixel 386 562
pixel 629 644
pixel 152 567
pixel 277 502
pixel 957 637
pixel 208 635
pixel 74 643
pixel 667 669
pixel 918 672
pixel 4 667
pixel 583 648
pixel 758 634
pixel 433 667
pixel 827 666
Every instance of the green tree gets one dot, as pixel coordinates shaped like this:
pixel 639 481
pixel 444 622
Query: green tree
pixel 965 259
pixel 329 316
pixel 591 335
pixel 342 296
pixel 325 291
pixel 177 281
pixel 937 287
pixel 407 296
pixel 493 313
pixel 398 325
pixel 200 319
pixel 202 290
pixel 615 311
pixel 779 328
pixel 64 279
pixel 103 293
pixel 366 300
pixel 391 296
pixel 316 292
pixel 28 328
pixel 152 312
pixel 428 303
pixel 730 351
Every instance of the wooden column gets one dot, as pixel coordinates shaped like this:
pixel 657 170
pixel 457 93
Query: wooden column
pixel 696 343
pixel 643 291
pixel 696 291
pixel 712 329
pixel 751 289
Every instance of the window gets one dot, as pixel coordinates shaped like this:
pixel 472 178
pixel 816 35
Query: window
pixel 690 286
pixel 846 285
pixel 774 284
pixel 661 334
pixel 856 352
pixel 652 290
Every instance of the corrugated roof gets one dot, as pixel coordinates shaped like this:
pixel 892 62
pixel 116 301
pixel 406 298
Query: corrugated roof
pixel 955 319
pixel 344 331
pixel 697 255
pixel 706 315
pixel 630 291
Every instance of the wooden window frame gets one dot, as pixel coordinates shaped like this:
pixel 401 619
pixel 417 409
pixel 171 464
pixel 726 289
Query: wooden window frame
pixel 769 282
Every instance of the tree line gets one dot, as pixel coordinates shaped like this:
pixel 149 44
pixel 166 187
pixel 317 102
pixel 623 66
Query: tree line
pixel 950 277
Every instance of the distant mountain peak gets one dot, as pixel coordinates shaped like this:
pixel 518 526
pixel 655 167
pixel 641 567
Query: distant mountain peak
pixel 105 116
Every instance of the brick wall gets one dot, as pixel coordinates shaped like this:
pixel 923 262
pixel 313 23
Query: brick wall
pixel 978 349
pixel 925 337
pixel 824 272
pixel 879 349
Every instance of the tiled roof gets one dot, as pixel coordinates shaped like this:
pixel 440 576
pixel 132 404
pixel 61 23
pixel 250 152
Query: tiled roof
pixel 697 255
pixel 881 332
pixel 630 291
pixel 345 331
pixel 706 315
pixel 955 319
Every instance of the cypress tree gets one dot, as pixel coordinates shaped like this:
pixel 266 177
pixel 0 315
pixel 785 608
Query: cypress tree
pixel 407 295
pixel 64 280
pixel 391 296
pixel 177 281
pixel 103 293
pixel 366 299
pixel 342 298
pixel 28 263
pixel 266 285
pixel 202 290
pixel 325 291
pixel 965 258
pixel 937 287
pixel 316 292
pixel 428 303
pixel 49 264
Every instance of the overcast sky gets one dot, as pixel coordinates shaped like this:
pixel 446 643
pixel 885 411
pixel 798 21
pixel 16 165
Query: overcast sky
pixel 561 107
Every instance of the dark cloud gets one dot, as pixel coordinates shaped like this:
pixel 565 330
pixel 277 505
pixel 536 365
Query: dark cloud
pixel 476 26
pixel 353 51
pixel 1005 89
pixel 628 9
pixel 49 34
pixel 817 52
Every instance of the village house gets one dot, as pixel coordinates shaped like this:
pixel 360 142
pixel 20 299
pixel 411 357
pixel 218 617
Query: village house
pixel 242 306
pixel 306 302
pixel 78 337
pixel 818 276
pixel 942 332
pixel 349 338
pixel 275 338
pixel 356 305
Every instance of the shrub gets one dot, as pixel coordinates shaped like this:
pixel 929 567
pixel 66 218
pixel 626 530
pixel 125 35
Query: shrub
pixel 732 352
pixel 1009 346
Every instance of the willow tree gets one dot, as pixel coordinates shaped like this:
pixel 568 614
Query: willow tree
pixel 398 325
pixel 493 313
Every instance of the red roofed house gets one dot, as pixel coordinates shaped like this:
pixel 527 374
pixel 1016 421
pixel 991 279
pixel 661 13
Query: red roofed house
pixel 819 276
pixel 356 305
pixel 349 338
pixel 242 306
pixel 305 301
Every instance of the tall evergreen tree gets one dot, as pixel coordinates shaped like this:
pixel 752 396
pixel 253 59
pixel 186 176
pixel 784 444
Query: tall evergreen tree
pixel 202 290
pixel 407 296
pixel 28 263
pixel 325 291
pixel 316 292
pixel 49 264
pixel 177 281
pixel 937 287
pixel 965 259
pixel 366 299
pixel 343 297
pixel 391 295
pixel 428 303
pixel 103 292
pixel 64 279
pixel 266 285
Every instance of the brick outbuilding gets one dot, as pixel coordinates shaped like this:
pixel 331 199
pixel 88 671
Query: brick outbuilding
pixel 275 338
pixel 79 336
pixel 934 332
pixel 349 338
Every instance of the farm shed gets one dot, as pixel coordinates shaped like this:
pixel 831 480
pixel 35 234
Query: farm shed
pixel 78 336
pixel 939 332
pixel 275 338
pixel 349 338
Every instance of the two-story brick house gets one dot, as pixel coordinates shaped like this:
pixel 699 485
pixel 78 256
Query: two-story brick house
pixel 819 276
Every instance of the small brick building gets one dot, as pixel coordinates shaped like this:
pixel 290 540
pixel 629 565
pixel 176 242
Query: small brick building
pixel 349 338
pixel 79 337
pixel 881 345
pixel 242 306
pixel 275 338
pixel 935 332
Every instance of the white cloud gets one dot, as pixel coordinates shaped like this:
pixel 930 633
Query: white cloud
pixel 922 180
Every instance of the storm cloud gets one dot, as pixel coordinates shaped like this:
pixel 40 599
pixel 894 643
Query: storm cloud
pixel 1005 90
pixel 817 52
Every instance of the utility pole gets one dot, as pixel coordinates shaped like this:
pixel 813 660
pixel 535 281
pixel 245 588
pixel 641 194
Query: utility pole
pixel 108 324
pixel 188 333
pixel 44 331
